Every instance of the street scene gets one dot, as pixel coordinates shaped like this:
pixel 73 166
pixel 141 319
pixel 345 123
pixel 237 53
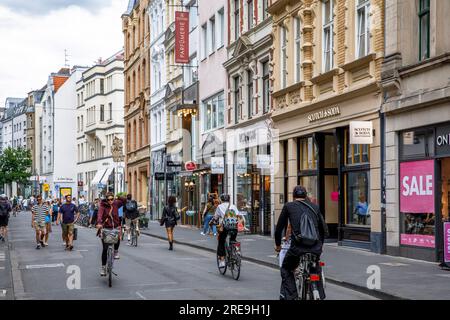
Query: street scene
pixel 275 149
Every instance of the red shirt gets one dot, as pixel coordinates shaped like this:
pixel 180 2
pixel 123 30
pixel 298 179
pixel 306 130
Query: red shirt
pixel 104 209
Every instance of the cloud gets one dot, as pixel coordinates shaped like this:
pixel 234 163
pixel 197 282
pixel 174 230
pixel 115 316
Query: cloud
pixel 39 7
pixel 32 47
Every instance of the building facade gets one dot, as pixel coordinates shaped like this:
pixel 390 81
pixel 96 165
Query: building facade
pixel 417 121
pixel 136 30
pixel 249 143
pixel 157 113
pixel 100 96
pixel 327 58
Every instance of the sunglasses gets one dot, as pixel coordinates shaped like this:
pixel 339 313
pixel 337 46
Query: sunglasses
pixel 110 199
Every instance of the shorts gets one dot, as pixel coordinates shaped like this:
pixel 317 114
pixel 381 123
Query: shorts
pixel 128 222
pixel 67 229
pixel 4 221
pixel 40 226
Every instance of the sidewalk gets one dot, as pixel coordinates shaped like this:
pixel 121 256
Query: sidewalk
pixel 401 278
pixel 6 283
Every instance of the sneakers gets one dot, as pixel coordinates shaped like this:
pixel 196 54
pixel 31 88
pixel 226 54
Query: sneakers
pixel 38 246
pixel 116 255
pixel 222 264
pixel 103 271
pixel 215 234
pixel 202 233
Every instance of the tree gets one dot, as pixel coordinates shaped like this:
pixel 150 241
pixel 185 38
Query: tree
pixel 15 166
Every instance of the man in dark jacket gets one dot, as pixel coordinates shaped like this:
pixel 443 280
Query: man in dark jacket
pixel 108 218
pixel 131 214
pixel 292 213
pixel 5 209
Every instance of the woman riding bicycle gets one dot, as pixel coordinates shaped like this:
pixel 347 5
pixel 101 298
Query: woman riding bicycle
pixel 108 218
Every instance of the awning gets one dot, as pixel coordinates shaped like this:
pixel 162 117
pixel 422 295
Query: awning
pixel 98 176
pixel 104 179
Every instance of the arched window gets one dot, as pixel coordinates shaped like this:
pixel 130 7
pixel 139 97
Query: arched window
pixel 134 135
pixel 144 74
pixel 129 135
pixel 139 31
pixel 139 89
pixel 134 86
pixel 130 49
pixel 128 89
pixel 134 38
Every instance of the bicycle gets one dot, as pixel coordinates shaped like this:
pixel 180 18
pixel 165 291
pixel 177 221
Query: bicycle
pixel 307 283
pixel 233 259
pixel 110 237
pixel 134 234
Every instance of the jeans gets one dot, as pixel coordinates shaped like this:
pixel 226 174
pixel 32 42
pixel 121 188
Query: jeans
pixel 222 238
pixel 206 227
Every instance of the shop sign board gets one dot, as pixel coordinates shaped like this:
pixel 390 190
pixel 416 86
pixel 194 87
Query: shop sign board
pixel 324 114
pixel 447 242
pixel 181 37
pixel 190 166
pixel 418 240
pixel 361 132
pixel 217 165
pixel 443 140
pixel 241 165
pixel 417 187
pixel 263 161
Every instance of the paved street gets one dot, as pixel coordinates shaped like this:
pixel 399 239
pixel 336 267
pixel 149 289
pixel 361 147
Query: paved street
pixel 149 271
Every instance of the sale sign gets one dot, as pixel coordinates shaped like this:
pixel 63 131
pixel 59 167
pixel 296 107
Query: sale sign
pixel 447 242
pixel 417 240
pixel 181 37
pixel 417 187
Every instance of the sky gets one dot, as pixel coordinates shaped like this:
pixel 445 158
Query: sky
pixel 35 33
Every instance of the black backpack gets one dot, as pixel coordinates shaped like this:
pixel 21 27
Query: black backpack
pixel 309 233
pixel 4 209
pixel 131 206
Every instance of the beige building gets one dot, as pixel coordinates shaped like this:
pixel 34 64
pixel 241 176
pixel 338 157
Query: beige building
pixel 417 112
pixel 327 58
pixel 137 96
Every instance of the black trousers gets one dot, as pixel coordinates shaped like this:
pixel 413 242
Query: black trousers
pixel 105 251
pixel 291 261
pixel 222 238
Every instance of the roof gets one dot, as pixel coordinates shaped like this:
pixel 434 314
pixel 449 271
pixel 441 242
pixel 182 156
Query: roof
pixel 131 6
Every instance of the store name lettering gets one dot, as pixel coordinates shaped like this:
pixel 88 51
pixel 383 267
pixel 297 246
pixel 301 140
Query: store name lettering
pixel 443 140
pixel 323 114
pixel 247 136
pixel 418 186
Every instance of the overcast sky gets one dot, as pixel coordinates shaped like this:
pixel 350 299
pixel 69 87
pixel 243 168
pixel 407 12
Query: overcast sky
pixel 34 34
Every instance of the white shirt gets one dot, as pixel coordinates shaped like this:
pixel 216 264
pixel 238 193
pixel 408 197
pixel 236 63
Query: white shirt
pixel 220 211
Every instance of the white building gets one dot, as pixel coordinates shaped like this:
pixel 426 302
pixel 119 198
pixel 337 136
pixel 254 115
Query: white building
pixel 99 119
pixel 58 133
pixel 157 13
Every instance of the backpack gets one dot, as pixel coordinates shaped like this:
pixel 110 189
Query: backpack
pixel 230 219
pixel 4 210
pixel 131 206
pixel 309 233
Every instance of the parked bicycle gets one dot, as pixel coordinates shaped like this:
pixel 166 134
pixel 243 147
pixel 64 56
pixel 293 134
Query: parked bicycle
pixel 110 237
pixel 233 259
pixel 307 282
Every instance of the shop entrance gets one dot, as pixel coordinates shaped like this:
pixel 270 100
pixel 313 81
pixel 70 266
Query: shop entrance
pixel 443 219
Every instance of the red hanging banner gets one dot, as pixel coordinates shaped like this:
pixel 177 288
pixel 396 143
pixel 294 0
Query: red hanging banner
pixel 181 37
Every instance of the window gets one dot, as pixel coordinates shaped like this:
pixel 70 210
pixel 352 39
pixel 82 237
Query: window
pixel 424 29
pixel 110 111
pixel 220 39
pixel 327 41
pixel 416 144
pixel 363 28
pixel 236 20
pixel 298 50
pixel 283 57
pixel 102 86
pixel 193 17
pixel 358 198
pixel 204 41
pixel 250 93
pixel 237 105
pixel 265 4
pixel 250 14
pixel 266 87
pixel 213 112
pixel 212 31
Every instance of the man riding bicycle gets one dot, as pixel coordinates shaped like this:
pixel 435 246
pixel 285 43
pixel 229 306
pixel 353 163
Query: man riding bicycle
pixel 131 214
pixel 293 213
pixel 223 213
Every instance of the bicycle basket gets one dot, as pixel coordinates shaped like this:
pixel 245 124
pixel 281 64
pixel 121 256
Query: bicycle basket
pixel 110 236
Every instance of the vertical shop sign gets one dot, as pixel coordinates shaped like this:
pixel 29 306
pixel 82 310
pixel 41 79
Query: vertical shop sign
pixel 447 242
pixel 181 37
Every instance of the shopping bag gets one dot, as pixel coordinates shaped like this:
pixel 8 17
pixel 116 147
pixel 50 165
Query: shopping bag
pixel 241 227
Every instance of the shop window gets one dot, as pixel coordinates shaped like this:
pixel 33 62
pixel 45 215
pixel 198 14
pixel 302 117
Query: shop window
pixel 308 154
pixel 358 198
pixel 424 29
pixel 416 144
pixel 310 183
pixel 356 154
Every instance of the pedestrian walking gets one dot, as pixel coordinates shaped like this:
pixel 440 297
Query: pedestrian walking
pixel 5 209
pixel 38 213
pixel 48 222
pixel 93 217
pixel 208 214
pixel 68 215
pixel 131 215
pixel 169 218
pixel 55 210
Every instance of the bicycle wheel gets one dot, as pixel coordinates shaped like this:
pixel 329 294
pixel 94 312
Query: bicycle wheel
pixel 222 270
pixel 85 221
pixel 133 236
pixel 235 263
pixel 109 266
